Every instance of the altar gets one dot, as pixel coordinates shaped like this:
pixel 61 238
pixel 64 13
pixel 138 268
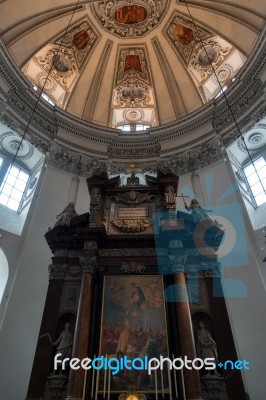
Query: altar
pixel 132 280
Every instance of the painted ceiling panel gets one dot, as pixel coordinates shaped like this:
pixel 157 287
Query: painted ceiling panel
pixel 131 61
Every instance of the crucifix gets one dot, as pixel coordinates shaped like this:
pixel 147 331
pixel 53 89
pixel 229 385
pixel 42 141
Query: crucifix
pixel 183 197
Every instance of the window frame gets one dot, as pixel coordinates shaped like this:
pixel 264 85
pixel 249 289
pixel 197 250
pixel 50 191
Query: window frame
pixel 5 168
pixel 259 181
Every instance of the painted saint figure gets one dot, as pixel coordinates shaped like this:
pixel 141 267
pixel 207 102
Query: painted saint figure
pixel 136 300
pixel 123 338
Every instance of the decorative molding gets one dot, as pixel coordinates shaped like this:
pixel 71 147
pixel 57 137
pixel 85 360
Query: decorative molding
pixel 133 59
pixel 132 267
pixel 90 245
pixel 139 252
pixel 131 225
pixel 57 386
pixel 182 34
pixel 89 264
pixel 71 162
pixel 115 151
pixel 64 271
pixel 130 20
pixel 81 39
pixel 10 143
pixel 57 271
pixel 61 253
pixel 70 296
pixel 246 98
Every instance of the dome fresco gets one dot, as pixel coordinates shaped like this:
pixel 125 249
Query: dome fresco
pixel 105 58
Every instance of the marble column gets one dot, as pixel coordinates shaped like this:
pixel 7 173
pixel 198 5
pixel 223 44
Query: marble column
pixel 82 329
pixel 186 338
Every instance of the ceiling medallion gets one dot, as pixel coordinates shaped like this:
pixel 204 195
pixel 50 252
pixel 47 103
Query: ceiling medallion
pixel 15 145
pixel 133 115
pixel 223 75
pixel 255 140
pixel 11 144
pixel 130 18
pixel 47 83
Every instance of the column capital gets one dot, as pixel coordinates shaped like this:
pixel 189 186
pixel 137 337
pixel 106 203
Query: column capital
pixel 57 271
pixel 89 264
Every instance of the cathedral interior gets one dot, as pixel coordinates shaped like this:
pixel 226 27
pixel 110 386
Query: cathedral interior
pixel 132 199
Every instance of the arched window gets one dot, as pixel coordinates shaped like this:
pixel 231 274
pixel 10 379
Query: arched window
pixel 3 273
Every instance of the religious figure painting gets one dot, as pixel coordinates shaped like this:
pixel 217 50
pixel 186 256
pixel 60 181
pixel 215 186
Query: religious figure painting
pixel 133 325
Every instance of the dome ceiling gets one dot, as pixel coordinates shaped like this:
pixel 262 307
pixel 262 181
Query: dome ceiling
pixel 130 62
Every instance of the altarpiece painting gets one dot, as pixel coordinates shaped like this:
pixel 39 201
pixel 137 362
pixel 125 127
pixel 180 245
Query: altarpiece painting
pixel 133 325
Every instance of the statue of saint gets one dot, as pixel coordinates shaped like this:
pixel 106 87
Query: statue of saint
pixel 170 198
pixel 64 344
pixel 206 346
pixel 133 179
pixel 197 212
pixel 95 204
pixel 66 215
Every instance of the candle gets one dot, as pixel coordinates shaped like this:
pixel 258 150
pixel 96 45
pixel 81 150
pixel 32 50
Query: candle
pixel 162 383
pixel 84 385
pixel 104 379
pixel 176 392
pixel 109 383
pixel 170 383
pixel 92 380
pixel 156 386
pixel 183 383
pixel 97 382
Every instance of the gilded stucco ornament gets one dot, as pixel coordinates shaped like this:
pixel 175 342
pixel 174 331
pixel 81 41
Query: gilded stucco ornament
pixel 132 267
pixel 131 225
pixel 130 18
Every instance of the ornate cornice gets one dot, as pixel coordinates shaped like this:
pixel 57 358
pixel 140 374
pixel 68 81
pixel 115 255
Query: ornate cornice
pixel 64 271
